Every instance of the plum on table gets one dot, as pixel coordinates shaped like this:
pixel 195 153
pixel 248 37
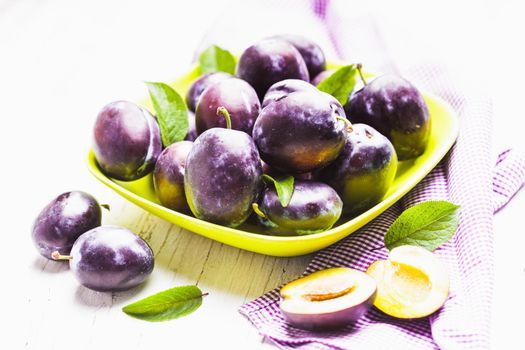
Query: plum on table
pixel 312 53
pixel 200 84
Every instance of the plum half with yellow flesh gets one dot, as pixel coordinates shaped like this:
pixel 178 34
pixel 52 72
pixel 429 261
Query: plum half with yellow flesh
pixel 412 283
pixel 327 299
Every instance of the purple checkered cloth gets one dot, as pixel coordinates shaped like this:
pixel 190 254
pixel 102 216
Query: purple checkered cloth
pixel 467 176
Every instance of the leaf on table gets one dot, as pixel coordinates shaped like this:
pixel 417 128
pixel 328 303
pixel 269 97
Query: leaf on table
pixel 172 113
pixel 427 224
pixel 166 305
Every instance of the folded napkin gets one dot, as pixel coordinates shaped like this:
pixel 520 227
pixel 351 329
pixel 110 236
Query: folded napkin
pixel 468 176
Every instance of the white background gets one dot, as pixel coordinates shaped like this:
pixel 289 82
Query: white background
pixel 61 61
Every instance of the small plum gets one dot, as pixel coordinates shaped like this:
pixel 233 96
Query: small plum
pixel 198 86
pixel 126 141
pixel 312 53
pixel 237 96
pixel 300 132
pixel 395 108
pixel 110 259
pixel 63 220
pixel 269 61
pixel 285 87
pixel 364 170
pixel 327 299
pixel 168 176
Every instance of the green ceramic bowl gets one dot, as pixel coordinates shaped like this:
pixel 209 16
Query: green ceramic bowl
pixel 141 192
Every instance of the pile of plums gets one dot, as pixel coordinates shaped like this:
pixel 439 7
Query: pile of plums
pixel 103 258
pixel 270 119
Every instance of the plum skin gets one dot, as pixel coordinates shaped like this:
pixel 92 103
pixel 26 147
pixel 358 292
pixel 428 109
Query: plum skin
pixel 63 220
pixel 312 53
pixel 364 170
pixel 198 86
pixel 126 141
pixel 223 176
pixel 168 176
pixel 239 99
pixel 269 61
pixel 314 207
pixel 300 132
pixel 111 259
pixel 395 108
pixel 285 87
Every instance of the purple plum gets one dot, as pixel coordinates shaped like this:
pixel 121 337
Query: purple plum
pixel 300 132
pixel 239 99
pixel 126 141
pixel 322 76
pixel 286 87
pixel 198 86
pixel 312 53
pixel 269 61
pixel 168 176
pixel 223 176
pixel 63 220
pixel 364 171
pixel 192 129
pixel 110 259
pixel 395 108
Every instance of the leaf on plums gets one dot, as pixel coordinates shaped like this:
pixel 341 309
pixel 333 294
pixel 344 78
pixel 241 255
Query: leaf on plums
pixel 166 305
pixel 340 83
pixel 172 113
pixel 216 59
pixel 283 186
pixel 427 224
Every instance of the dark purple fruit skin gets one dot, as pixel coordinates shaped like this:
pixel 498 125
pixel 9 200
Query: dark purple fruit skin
pixel 300 132
pixel 198 86
pixel 330 320
pixel 314 207
pixel 285 87
pixel 312 53
pixel 168 176
pixel 364 171
pixel 192 130
pixel 63 220
pixel 237 96
pixel 395 108
pixel 111 259
pixel 322 76
pixel 223 176
pixel 126 141
pixel 270 61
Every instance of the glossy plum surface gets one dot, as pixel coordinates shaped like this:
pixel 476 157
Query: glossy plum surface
pixel 314 207
pixel 168 176
pixel 364 171
pixel 237 96
pixel 285 87
pixel 223 176
pixel 111 259
pixel 198 86
pixel 63 220
pixel 395 108
pixel 300 132
pixel 192 129
pixel 126 141
pixel 312 53
pixel 269 61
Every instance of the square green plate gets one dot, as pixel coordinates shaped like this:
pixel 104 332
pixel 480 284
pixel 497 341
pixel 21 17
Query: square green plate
pixel 141 192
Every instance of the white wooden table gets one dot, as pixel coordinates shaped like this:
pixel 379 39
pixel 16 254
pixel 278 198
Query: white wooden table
pixel 60 62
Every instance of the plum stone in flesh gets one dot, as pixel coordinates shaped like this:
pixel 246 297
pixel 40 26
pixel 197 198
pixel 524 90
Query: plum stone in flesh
pixel 111 259
pixel 395 108
pixel 269 61
pixel 223 176
pixel 126 141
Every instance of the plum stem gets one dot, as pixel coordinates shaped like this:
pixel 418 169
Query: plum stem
pixel 57 256
pixel 224 112
pixel 258 211
pixel 347 123
pixel 205 294
pixel 358 67
pixel 106 206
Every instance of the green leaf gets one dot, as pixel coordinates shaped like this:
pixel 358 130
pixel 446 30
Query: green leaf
pixel 167 305
pixel 340 83
pixel 427 224
pixel 283 186
pixel 172 114
pixel 216 59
